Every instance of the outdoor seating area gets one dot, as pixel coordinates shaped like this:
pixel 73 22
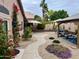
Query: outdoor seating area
pixel 72 37
pixel 69 32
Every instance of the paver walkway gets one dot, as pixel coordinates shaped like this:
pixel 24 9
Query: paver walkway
pixel 31 51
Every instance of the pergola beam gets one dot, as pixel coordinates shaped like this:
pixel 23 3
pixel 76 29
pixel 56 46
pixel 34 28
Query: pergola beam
pixel 78 36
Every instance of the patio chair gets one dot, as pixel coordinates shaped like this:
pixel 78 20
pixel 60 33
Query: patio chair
pixel 61 33
pixel 72 38
pixel 66 35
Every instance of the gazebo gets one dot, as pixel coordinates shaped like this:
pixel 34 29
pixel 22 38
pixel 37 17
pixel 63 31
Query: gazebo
pixel 74 19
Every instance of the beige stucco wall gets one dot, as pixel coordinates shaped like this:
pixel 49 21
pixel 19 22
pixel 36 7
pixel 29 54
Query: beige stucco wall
pixel 69 26
pixel 9 5
pixel 49 26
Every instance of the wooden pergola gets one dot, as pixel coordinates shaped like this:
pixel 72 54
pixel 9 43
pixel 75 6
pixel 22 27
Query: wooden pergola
pixel 73 19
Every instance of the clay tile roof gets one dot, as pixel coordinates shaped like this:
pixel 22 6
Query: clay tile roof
pixel 29 15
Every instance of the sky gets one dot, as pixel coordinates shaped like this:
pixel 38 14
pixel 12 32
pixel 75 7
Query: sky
pixel 33 6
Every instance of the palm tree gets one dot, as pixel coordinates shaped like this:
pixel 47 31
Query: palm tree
pixel 42 5
pixel 44 9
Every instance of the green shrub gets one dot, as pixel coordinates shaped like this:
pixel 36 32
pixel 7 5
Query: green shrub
pixel 51 38
pixel 56 41
pixel 40 26
pixel 28 33
pixel 3 43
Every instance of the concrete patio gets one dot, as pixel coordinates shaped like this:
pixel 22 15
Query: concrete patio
pixel 31 51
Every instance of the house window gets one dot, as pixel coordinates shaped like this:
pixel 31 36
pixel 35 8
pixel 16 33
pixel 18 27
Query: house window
pixel 4 10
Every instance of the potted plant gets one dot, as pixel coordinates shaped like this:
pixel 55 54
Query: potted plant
pixel 11 48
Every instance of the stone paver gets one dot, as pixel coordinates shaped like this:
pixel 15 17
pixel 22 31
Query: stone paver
pixel 31 51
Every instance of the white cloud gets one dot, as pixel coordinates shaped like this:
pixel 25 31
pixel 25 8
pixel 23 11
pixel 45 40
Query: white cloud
pixel 34 2
pixel 28 10
pixel 23 1
pixel 70 5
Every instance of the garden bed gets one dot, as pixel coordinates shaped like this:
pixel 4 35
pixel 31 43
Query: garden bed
pixel 59 51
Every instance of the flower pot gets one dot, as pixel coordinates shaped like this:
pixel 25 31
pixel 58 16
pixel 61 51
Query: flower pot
pixel 14 52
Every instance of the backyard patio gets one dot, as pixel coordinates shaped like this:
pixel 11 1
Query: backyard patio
pixel 39 29
pixel 37 49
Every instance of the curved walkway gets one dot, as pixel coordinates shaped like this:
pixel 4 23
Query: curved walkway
pixel 31 51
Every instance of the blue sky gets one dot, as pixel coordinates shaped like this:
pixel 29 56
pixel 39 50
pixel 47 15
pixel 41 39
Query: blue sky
pixel 33 6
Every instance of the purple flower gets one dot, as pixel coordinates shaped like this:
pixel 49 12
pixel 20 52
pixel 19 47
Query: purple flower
pixel 59 51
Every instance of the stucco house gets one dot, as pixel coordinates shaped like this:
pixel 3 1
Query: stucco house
pixel 6 12
pixel 31 21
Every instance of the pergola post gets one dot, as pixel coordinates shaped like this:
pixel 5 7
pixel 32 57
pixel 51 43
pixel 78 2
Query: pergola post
pixel 78 36
pixel 58 29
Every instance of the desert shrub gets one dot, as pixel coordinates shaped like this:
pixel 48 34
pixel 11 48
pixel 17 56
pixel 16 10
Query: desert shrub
pixel 51 38
pixel 27 33
pixel 40 26
pixel 56 41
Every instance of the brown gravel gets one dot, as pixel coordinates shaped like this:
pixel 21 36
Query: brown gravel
pixel 24 44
